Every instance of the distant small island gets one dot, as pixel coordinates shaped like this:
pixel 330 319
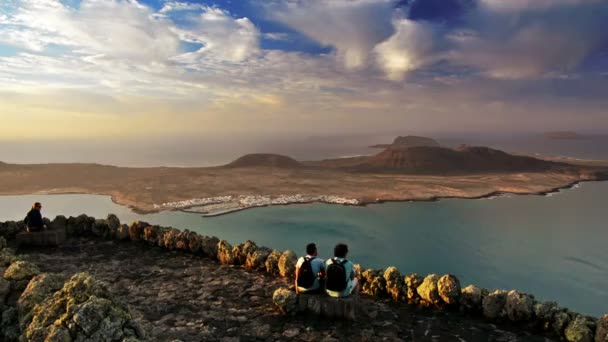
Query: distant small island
pixel 562 135
pixel 410 169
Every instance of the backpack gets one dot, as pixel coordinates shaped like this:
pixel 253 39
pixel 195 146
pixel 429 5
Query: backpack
pixel 307 277
pixel 336 276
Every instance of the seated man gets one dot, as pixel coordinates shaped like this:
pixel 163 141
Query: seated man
pixel 341 280
pixel 33 220
pixel 309 271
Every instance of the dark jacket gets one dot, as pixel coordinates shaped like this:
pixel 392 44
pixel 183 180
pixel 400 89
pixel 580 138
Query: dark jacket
pixel 34 219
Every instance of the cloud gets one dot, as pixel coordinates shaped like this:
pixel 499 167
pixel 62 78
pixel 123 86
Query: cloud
pixel 352 27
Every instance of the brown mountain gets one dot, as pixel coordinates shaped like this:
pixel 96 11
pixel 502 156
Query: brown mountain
pixel 265 160
pixel 409 141
pixel 441 161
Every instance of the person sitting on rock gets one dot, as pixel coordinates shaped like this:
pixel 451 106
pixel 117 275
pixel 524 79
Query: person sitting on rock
pixel 340 280
pixel 309 271
pixel 33 220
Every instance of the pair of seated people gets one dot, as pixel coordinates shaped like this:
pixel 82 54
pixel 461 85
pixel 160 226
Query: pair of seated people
pixel 336 276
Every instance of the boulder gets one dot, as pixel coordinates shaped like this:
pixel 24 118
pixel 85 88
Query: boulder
pixel 83 309
pixel 578 330
pixel 374 283
pixel 122 232
pixel 195 244
pixel 136 230
pixel 59 223
pixel 182 241
pixel 448 287
pixel 560 321
pixel 272 262
pixel 224 253
pixel 241 251
pixel 544 312
pixel 9 229
pixel 80 225
pixel 3 243
pixel 9 325
pixel 38 289
pixel 287 264
pixel 113 226
pixel 285 300
pixel 471 297
pixel 5 289
pixel 151 235
pixel 519 306
pixel 21 270
pixel 494 304
pixel 413 281
pixel 7 256
pixel 257 259
pixel 429 291
pixel 209 246
pixel 170 238
pixel 601 332
pixel 395 285
pixel 100 228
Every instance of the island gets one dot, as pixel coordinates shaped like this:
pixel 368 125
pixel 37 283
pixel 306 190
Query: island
pixel 562 135
pixel 398 173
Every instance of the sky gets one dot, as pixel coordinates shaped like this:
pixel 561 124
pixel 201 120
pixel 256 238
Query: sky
pixel 81 69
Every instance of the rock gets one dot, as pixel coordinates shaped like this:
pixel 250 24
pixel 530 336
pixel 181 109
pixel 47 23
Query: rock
pixel 224 253
pixel 170 238
pixel 287 264
pixel 113 226
pixel 21 270
pixel 241 251
pixel 601 332
pixel 3 243
pixel 395 285
pixel 429 291
pixel 9 326
pixel 136 230
pixel 41 239
pixel 151 235
pixel 519 306
pixel 59 223
pixel 448 287
pixel 561 319
pixel 7 257
pixel 285 300
pixel 494 304
pixel 79 226
pixel 471 297
pixel 195 246
pixel 412 282
pixel 545 311
pixel 122 232
pixel 578 331
pixel 272 262
pixel 9 229
pixel 182 242
pixel 374 283
pixel 5 288
pixel 209 246
pixel 84 308
pixel 100 228
pixel 38 289
pixel 257 259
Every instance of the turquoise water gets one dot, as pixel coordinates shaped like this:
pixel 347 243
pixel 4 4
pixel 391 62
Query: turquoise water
pixel 555 247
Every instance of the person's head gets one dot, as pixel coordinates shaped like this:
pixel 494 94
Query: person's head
pixel 37 206
pixel 340 250
pixel 311 249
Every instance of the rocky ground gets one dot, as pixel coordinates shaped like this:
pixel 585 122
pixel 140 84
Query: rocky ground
pixel 174 295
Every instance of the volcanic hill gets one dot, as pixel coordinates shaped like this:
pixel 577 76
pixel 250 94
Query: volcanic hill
pixel 409 141
pixel 265 160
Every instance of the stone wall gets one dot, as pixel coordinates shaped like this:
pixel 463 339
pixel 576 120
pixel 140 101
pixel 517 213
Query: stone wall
pixel 432 291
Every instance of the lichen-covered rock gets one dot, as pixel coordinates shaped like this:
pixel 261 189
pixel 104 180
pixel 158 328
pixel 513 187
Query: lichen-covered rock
pixel 224 253
pixel 412 281
pixel 182 241
pixel 136 230
pixel 519 306
pixel 241 252
pixel 9 326
pixel 494 304
pixel 395 285
pixel 209 246
pixel 84 308
pixel 122 232
pixel 448 287
pixel 195 244
pixel 38 289
pixel 272 262
pixel 257 259
pixel 578 331
pixel 287 264
pixel 100 228
pixel 374 283
pixel 285 300
pixel 151 235
pixel 7 257
pixel 59 223
pixel 113 225
pixel 21 270
pixel 471 297
pixel 560 321
pixel 544 312
pixel 429 291
pixel 170 238
pixel 601 331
